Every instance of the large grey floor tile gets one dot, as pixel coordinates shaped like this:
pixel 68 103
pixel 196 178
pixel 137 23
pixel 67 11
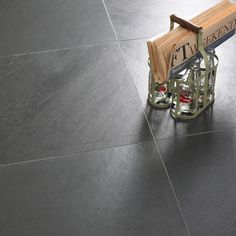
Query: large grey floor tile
pixel 33 25
pixel 203 171
pixel 118 191
pixel 146 18
pixel 221 115
pixel 67 101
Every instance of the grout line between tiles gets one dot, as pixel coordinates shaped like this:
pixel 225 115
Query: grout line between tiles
pixel 101 149
pixel 70 48
pixel 68 155
pixel 197 134
pixel 158 150
pixel 109 18
pixel 153 136
pixel 59 49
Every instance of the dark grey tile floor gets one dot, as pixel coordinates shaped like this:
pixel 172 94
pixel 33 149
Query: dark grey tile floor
pixel 117 191
pixel 81 152
pixel 31 25
pixel 68 101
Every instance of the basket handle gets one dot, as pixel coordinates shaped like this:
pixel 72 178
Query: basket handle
pixel 184 23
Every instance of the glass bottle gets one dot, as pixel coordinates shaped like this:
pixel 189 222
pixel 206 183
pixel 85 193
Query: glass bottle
pixel 187 96
pixel 159 94
pixel 186 91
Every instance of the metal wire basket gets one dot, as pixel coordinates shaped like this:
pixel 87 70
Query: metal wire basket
pixel 193 89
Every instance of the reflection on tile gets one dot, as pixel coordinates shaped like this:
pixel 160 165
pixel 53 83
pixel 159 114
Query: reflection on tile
pixel 221 115
pixel 146 18
pixel 33 25
pixel 203 171
pixel 67 101
pixel 118 191
pixel 136 54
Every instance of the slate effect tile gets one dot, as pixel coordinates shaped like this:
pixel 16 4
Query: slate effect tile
pixel 203 171
pixel 146 18
pixel 118 191
pixel 221 115
pixel 33 25
pixel 67 101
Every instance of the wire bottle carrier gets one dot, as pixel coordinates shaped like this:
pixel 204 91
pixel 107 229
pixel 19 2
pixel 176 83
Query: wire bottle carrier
pixel 192 90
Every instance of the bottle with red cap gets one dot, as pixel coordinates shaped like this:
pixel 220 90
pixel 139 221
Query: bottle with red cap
pixel 159 94
pixel 187 95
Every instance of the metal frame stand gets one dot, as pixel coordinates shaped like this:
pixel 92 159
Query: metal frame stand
pixel 191 93
pixel 201 84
